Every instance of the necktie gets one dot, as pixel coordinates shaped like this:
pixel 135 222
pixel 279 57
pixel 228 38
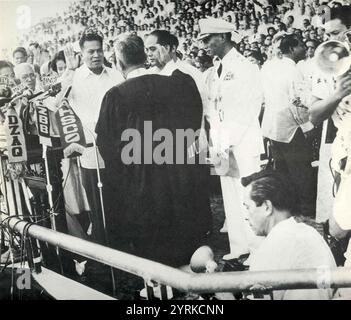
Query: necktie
pixel 219 70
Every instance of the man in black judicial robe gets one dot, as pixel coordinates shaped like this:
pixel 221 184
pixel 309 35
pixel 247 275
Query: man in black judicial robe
pixel 157 211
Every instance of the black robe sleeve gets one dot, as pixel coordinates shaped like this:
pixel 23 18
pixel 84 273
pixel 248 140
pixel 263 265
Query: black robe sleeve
pixel 109 126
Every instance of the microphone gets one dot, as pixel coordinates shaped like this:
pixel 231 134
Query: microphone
pixel 5 95
pixel 26 93
pixel 52 91
pixel 5 92
pixel 202 260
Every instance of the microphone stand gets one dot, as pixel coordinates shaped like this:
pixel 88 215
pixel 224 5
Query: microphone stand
pixel 100 186
pixel 41 95
pixel 49 188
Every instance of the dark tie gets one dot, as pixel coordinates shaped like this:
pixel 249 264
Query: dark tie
pixel 219 70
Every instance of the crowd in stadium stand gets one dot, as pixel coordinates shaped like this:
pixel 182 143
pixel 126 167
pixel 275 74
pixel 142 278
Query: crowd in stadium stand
pixel 256 22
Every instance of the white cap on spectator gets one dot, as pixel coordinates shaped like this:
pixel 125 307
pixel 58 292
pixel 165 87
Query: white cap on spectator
pixel 210 26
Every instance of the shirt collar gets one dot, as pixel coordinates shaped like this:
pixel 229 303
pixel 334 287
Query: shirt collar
pixel 284 224
pixel 169 68
pixel 289 60
pixel 136 73
pixel 232 54
pixel 86 72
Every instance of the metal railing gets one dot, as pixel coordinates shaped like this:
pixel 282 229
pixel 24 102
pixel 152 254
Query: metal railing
pixel 189 282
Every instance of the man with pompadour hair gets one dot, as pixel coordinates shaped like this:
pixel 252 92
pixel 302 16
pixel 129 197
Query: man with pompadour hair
pixel 289 243
pixel 90 83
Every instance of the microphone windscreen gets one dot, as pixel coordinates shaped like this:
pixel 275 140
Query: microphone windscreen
pixel 5 92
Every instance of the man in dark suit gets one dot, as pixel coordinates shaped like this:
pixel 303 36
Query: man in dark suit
pixel 157 201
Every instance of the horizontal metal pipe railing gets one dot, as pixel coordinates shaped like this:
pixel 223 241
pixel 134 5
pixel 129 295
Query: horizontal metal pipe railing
pixel 190 282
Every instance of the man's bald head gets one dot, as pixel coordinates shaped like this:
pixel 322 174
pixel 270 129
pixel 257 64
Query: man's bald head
pixel 25 73
pixel 23 68
pixel 130 52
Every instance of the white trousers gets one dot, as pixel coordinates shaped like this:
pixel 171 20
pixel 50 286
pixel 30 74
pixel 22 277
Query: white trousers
pixel 325 199
pixel 242 239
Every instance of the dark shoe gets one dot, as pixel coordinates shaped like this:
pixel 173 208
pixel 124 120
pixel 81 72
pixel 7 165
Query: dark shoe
pixel 234 265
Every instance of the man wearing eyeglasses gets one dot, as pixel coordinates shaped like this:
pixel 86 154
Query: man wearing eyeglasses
pixel 26 77
pixel 25 74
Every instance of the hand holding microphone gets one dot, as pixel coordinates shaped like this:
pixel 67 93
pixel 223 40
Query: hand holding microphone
pixel 343 85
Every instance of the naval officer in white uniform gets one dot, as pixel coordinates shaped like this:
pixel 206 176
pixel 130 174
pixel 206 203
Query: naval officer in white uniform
pixel 235 99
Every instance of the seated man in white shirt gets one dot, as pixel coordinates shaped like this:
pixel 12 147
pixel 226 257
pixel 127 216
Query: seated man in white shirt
pixel 288 244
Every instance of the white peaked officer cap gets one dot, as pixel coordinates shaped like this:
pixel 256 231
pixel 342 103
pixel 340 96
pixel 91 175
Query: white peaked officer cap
pixel 210 26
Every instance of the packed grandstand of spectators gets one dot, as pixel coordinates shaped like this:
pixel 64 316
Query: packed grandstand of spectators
pixel 256 21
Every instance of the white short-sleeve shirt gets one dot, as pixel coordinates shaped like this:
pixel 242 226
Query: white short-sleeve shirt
pixel 88 91
pixel 293 245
